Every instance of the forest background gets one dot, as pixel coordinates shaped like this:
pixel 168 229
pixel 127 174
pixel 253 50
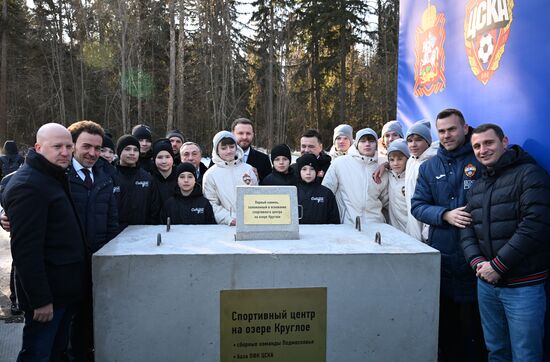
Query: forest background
pixel 196 65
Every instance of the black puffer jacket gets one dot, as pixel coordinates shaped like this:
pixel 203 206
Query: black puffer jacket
pixel 510 207
pixel 47 240
pixel 193 209
pixel 137 199
pixel 96 208
pixel 276 178
pixel 165 186
pixel 318 204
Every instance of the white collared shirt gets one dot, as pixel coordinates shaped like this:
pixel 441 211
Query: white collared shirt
pixel 245 155
pixel 78 168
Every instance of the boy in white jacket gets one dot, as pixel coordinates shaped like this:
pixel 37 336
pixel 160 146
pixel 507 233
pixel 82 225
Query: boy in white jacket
pixel 419 140
pixel 350 179
pixel 398 154
pixel 221 180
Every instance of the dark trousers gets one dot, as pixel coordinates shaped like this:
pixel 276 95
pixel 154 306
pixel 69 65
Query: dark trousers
pixel 82 333
pixel 460 333
pixel 46 341
pixel 13 297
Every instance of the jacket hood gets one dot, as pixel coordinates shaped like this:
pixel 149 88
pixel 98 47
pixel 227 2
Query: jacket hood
pixel 334 153
pixel 513 156
pixel 216 158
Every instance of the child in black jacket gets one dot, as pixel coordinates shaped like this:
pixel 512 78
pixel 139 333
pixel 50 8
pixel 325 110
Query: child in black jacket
pixel 317 201
pixel 282 174
pixel 187 205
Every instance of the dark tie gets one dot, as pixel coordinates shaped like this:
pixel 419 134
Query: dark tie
pixel 87 179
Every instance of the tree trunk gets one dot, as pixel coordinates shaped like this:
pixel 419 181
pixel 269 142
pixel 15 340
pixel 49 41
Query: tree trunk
pixel 172 77
pixel 123 66
pixel 4 75
pixel 181 67
pixel 269 117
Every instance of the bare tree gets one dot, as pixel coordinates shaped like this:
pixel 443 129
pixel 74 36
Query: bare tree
pixel 4 73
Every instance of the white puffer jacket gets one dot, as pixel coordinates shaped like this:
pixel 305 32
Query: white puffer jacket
pixel 219 184
pixel 397 204
pixel 350 179
pixel 415 228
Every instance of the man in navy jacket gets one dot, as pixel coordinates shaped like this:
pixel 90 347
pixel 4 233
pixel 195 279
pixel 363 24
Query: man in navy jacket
pixel 92 191
pixel 47 244
pixel 439 200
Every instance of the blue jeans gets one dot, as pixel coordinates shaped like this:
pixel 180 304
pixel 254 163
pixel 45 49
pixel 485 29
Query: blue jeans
pixel 513 321
pixel 46 341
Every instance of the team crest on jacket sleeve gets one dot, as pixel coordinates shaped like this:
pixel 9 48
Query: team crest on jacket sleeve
pixel 429 66
pixel 247 179
pixel 486 29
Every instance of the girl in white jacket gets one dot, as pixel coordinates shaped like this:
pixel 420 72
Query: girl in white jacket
pixel 350 179
pixel 221 180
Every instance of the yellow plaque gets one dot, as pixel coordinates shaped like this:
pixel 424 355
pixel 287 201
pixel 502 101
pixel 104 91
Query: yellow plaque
pixel 267 210
pixel 283 325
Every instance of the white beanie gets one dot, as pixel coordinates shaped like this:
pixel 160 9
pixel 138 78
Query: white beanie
pixel 220 136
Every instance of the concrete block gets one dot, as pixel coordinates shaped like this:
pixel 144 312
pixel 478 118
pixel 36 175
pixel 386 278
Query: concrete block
pixel 162 303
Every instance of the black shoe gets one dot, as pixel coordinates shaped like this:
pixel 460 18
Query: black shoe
pixel 15 309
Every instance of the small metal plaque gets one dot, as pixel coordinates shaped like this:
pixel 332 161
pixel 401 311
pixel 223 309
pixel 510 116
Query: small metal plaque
pixel 283 325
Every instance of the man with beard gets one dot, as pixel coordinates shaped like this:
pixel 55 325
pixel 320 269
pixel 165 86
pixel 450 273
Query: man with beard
pixel 243 129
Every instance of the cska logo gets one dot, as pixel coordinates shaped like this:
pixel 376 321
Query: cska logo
pixel 429 66
pixel 486 30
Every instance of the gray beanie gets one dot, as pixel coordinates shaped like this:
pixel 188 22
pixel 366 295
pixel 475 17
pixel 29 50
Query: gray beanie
pixel 343 130
pixel 394 126
pixel 399 145
pixel 420 128
pixel 365 132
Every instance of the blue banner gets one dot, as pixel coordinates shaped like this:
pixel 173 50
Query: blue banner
pixel 488 58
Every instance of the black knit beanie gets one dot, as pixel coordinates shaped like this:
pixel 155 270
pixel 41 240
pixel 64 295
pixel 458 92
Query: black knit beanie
pixel 308 160
pixel 186 167
pixel 162 144
pixel 108 142
pixel 280 150
pixel 126 140
pixel 141 132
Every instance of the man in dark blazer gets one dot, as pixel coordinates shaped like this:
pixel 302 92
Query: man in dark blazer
pixel 47 244
pixel 243 129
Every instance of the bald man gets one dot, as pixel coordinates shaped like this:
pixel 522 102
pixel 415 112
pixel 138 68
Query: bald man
pixel 47 244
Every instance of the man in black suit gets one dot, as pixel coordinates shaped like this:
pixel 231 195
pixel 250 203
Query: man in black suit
pixel 47 244
pixel 243 129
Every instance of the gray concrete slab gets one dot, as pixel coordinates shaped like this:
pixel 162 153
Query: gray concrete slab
pixel 159 303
